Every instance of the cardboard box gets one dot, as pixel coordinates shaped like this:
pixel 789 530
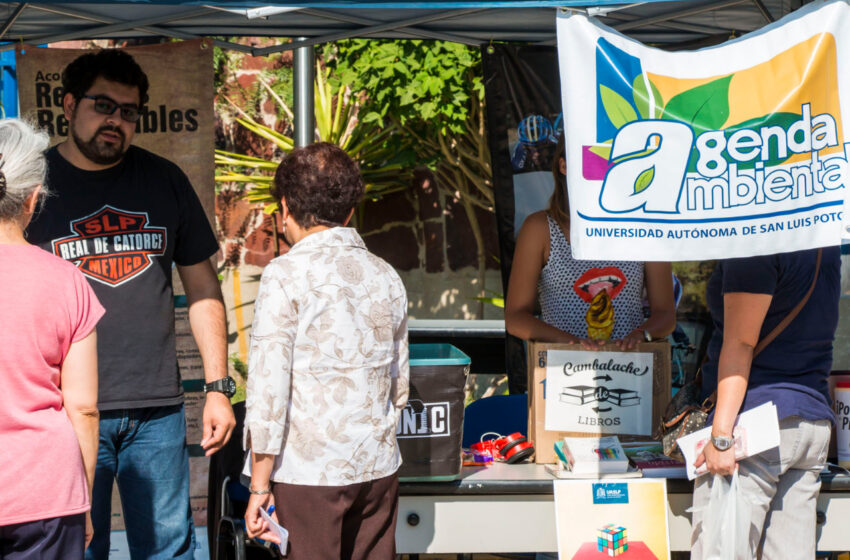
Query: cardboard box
pixel 614 403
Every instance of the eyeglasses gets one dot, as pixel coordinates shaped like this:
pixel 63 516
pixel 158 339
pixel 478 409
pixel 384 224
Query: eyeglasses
pixel 106 106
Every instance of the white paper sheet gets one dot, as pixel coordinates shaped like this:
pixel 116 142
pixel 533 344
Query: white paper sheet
pixel 277 529
pixel 756 430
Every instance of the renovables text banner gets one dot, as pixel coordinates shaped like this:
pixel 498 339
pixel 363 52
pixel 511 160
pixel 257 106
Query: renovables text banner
pixel 177 121
pixel 731 151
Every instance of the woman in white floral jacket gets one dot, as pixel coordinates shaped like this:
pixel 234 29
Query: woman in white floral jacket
pixel 328 372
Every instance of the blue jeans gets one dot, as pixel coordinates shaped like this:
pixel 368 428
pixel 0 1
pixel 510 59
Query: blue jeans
pixel 145 450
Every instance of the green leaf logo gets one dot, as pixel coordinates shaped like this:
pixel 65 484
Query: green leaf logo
pixel 619 110
pixel 644 180
pixel 641 97
pixel 704 107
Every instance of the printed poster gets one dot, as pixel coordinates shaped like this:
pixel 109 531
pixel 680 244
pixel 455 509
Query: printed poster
pixel 599 392
pixel 729 151
pixel 177 121
pixel 619 518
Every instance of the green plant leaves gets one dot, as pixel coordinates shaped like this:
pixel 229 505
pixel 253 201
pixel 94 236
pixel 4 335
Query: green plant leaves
pixel 704 107
pixel 644 180
pixel 641 98
pixel 619 110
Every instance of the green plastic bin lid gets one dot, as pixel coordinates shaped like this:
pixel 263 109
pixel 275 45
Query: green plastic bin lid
pixel 437 355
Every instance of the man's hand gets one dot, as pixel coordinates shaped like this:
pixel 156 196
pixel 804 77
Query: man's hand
pixel 218 422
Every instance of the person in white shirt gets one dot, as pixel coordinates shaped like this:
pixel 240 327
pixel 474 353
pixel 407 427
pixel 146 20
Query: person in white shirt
pixel 328 372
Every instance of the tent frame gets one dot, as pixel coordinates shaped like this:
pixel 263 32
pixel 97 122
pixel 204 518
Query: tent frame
pixel 412 27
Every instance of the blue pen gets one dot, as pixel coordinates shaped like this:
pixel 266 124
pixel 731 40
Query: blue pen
pixel 270 510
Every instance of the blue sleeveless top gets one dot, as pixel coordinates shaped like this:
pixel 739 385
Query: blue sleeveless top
pixel 596 299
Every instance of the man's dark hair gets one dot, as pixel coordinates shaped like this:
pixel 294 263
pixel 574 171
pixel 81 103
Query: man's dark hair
pixel 111 64
pixel 320 183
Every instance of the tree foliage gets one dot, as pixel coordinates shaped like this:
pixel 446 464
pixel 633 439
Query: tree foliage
pixel 336 114
pixel 421 83
pixel 433 91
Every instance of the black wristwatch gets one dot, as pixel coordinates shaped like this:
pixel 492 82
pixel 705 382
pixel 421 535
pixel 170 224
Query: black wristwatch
pixel 224 385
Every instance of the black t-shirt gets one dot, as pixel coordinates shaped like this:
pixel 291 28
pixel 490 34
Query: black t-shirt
pixel 124 227
pixel 793 370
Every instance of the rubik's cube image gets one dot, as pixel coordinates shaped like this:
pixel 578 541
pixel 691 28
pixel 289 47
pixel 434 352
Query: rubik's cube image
pixel 612 540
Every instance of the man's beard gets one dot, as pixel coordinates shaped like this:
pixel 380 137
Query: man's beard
pixel 98 151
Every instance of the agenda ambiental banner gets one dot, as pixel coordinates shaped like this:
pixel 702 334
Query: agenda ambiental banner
pixel 730 151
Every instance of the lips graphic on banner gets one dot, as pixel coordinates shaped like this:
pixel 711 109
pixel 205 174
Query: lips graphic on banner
pixel 112 246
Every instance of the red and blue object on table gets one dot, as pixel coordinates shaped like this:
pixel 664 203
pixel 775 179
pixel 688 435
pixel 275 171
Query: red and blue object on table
pixel 511 449
pixel 612 540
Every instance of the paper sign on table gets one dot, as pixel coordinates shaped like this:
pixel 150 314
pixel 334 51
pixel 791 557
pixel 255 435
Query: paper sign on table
pixel 599 392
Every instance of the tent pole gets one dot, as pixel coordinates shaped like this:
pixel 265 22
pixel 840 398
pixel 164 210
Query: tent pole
pixel 623 27
pixel 303 64
pixel 96 18
pixel 408 32
pixel 764 11
pixel 389 26
pixel 9 22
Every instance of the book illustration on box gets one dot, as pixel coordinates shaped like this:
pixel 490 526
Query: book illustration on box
pixel 623 397
pixel 578 394
pixel 649 457
pixel 585 394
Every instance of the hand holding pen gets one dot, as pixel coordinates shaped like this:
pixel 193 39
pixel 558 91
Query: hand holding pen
pixel 255 525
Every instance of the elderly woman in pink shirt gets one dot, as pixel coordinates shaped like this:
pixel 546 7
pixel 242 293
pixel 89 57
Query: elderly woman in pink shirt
pixel 48 371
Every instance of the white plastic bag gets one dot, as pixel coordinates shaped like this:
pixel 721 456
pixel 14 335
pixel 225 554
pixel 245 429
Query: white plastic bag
pixel 726 522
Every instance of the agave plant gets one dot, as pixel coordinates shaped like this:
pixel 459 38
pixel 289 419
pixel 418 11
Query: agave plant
pixel 336 115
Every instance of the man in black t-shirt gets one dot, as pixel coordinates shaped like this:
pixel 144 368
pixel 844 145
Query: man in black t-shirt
pixel 124 215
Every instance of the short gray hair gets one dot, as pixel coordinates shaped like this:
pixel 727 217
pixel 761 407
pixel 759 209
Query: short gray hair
pixel 22 165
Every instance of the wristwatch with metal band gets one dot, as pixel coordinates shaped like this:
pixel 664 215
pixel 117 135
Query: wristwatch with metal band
pixel 224 385
pixel 722 443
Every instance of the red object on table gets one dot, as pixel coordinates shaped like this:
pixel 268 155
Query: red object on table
pixel 637 551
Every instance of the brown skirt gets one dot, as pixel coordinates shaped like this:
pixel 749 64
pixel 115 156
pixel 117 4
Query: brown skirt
pixel 352 522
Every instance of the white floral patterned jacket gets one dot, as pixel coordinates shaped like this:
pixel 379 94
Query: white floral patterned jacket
pixel 328 369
